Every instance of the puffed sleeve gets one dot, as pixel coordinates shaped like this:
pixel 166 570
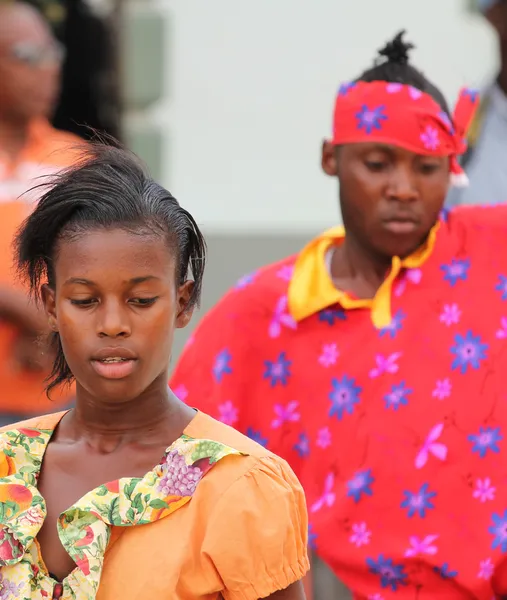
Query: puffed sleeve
pixel 257 534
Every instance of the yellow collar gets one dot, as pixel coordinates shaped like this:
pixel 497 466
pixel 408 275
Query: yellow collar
pixel 311 288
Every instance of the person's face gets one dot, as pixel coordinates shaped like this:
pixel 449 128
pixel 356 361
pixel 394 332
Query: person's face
pixel 390 198
pixel 115 306
pixel 30 65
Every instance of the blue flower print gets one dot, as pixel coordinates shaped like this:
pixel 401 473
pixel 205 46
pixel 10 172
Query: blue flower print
pixel 486 439
pixel 330 315
pixel 394 326
pixel 303 446
pixel 344 395
pixel 221 366
pixel 445 571
pixel 398 396
pixel 418 502
pixel 312 538
pixel 391 575
pixel 360 485
pixel 256 436
pixel 502 286
pixel 370 118
pixel 245 281
pixel 444 117
pixel 499 531
pixel 471 93
pixel 468 351
pixel 345 88
pixel 444 214
pixel 456 271
pixel 278 370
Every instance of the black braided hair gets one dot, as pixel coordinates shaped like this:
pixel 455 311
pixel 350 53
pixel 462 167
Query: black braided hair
pixel 393 65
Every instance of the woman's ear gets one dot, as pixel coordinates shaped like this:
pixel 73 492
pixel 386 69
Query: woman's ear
pixel 184 311
pixel 49 302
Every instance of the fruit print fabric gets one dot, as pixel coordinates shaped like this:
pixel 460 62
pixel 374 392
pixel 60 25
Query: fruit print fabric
pixel 85 528
pixel 397 433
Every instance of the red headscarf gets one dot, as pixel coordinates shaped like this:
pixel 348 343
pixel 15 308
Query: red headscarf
pixel 401 115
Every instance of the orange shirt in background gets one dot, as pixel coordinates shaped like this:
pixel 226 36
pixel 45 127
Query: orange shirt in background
pixel 46 152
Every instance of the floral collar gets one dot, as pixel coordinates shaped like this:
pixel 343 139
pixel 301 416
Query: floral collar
pixel 85 528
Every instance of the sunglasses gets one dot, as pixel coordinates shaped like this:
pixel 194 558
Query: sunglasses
pixel 37 56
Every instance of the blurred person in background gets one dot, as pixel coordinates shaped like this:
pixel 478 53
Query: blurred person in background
pixel 374 361
pixel 485 159
pixel 89 99
pixel 30 148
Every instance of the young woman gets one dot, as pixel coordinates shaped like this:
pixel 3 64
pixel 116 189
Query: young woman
pixel 133 494
pixel 374 361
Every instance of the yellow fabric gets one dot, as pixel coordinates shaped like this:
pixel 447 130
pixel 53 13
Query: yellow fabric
pixel 311 288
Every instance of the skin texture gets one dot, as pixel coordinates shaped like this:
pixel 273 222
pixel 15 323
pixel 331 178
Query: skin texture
pixel 114 289
pixel 390 199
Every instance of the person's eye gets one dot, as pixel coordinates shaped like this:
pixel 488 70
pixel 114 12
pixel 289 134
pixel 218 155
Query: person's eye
pixel 144 301
pixel 83 302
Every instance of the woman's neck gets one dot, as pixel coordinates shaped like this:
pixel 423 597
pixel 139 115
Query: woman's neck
pixel 156 414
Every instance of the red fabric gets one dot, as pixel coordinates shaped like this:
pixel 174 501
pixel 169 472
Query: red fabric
pixel 401 115
pixel 398 435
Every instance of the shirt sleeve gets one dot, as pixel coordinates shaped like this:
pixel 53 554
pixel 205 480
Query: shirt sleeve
pixel 257 534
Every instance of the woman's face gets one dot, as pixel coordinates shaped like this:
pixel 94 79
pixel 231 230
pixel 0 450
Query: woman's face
pixel 115 306
pixel 390 197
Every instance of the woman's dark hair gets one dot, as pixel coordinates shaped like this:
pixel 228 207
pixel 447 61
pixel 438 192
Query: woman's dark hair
pixel 108 188
pixel 392 65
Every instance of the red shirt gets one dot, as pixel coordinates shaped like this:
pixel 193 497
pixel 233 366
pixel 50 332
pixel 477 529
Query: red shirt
pixel 397 432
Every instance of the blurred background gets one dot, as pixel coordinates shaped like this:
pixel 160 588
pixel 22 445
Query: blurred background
pixel 228 103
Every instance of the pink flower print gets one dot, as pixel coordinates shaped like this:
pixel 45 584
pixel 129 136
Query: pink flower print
pixel 329 355
pixel 285 272
pixel 328 497
pixel 430 138
pixel 431 446
pixel 181 392
pixel 393 88
pixel 360 535
pixel 385 364
pixel 228 413
pixel 324 438
pixel 375 597
pixel 484 491
pixel 412 276
pixel 281 317
pixel 501 334
pixel 450 315
pixel 424 546
pixel 414 93
pixel 285 414
pixel 486 569
pixel 442 389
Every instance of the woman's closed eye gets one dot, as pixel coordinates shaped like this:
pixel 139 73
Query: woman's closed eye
pixel 143 301
pixel 86 302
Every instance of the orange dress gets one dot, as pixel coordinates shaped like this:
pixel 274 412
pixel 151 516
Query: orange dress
pixel 218 515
